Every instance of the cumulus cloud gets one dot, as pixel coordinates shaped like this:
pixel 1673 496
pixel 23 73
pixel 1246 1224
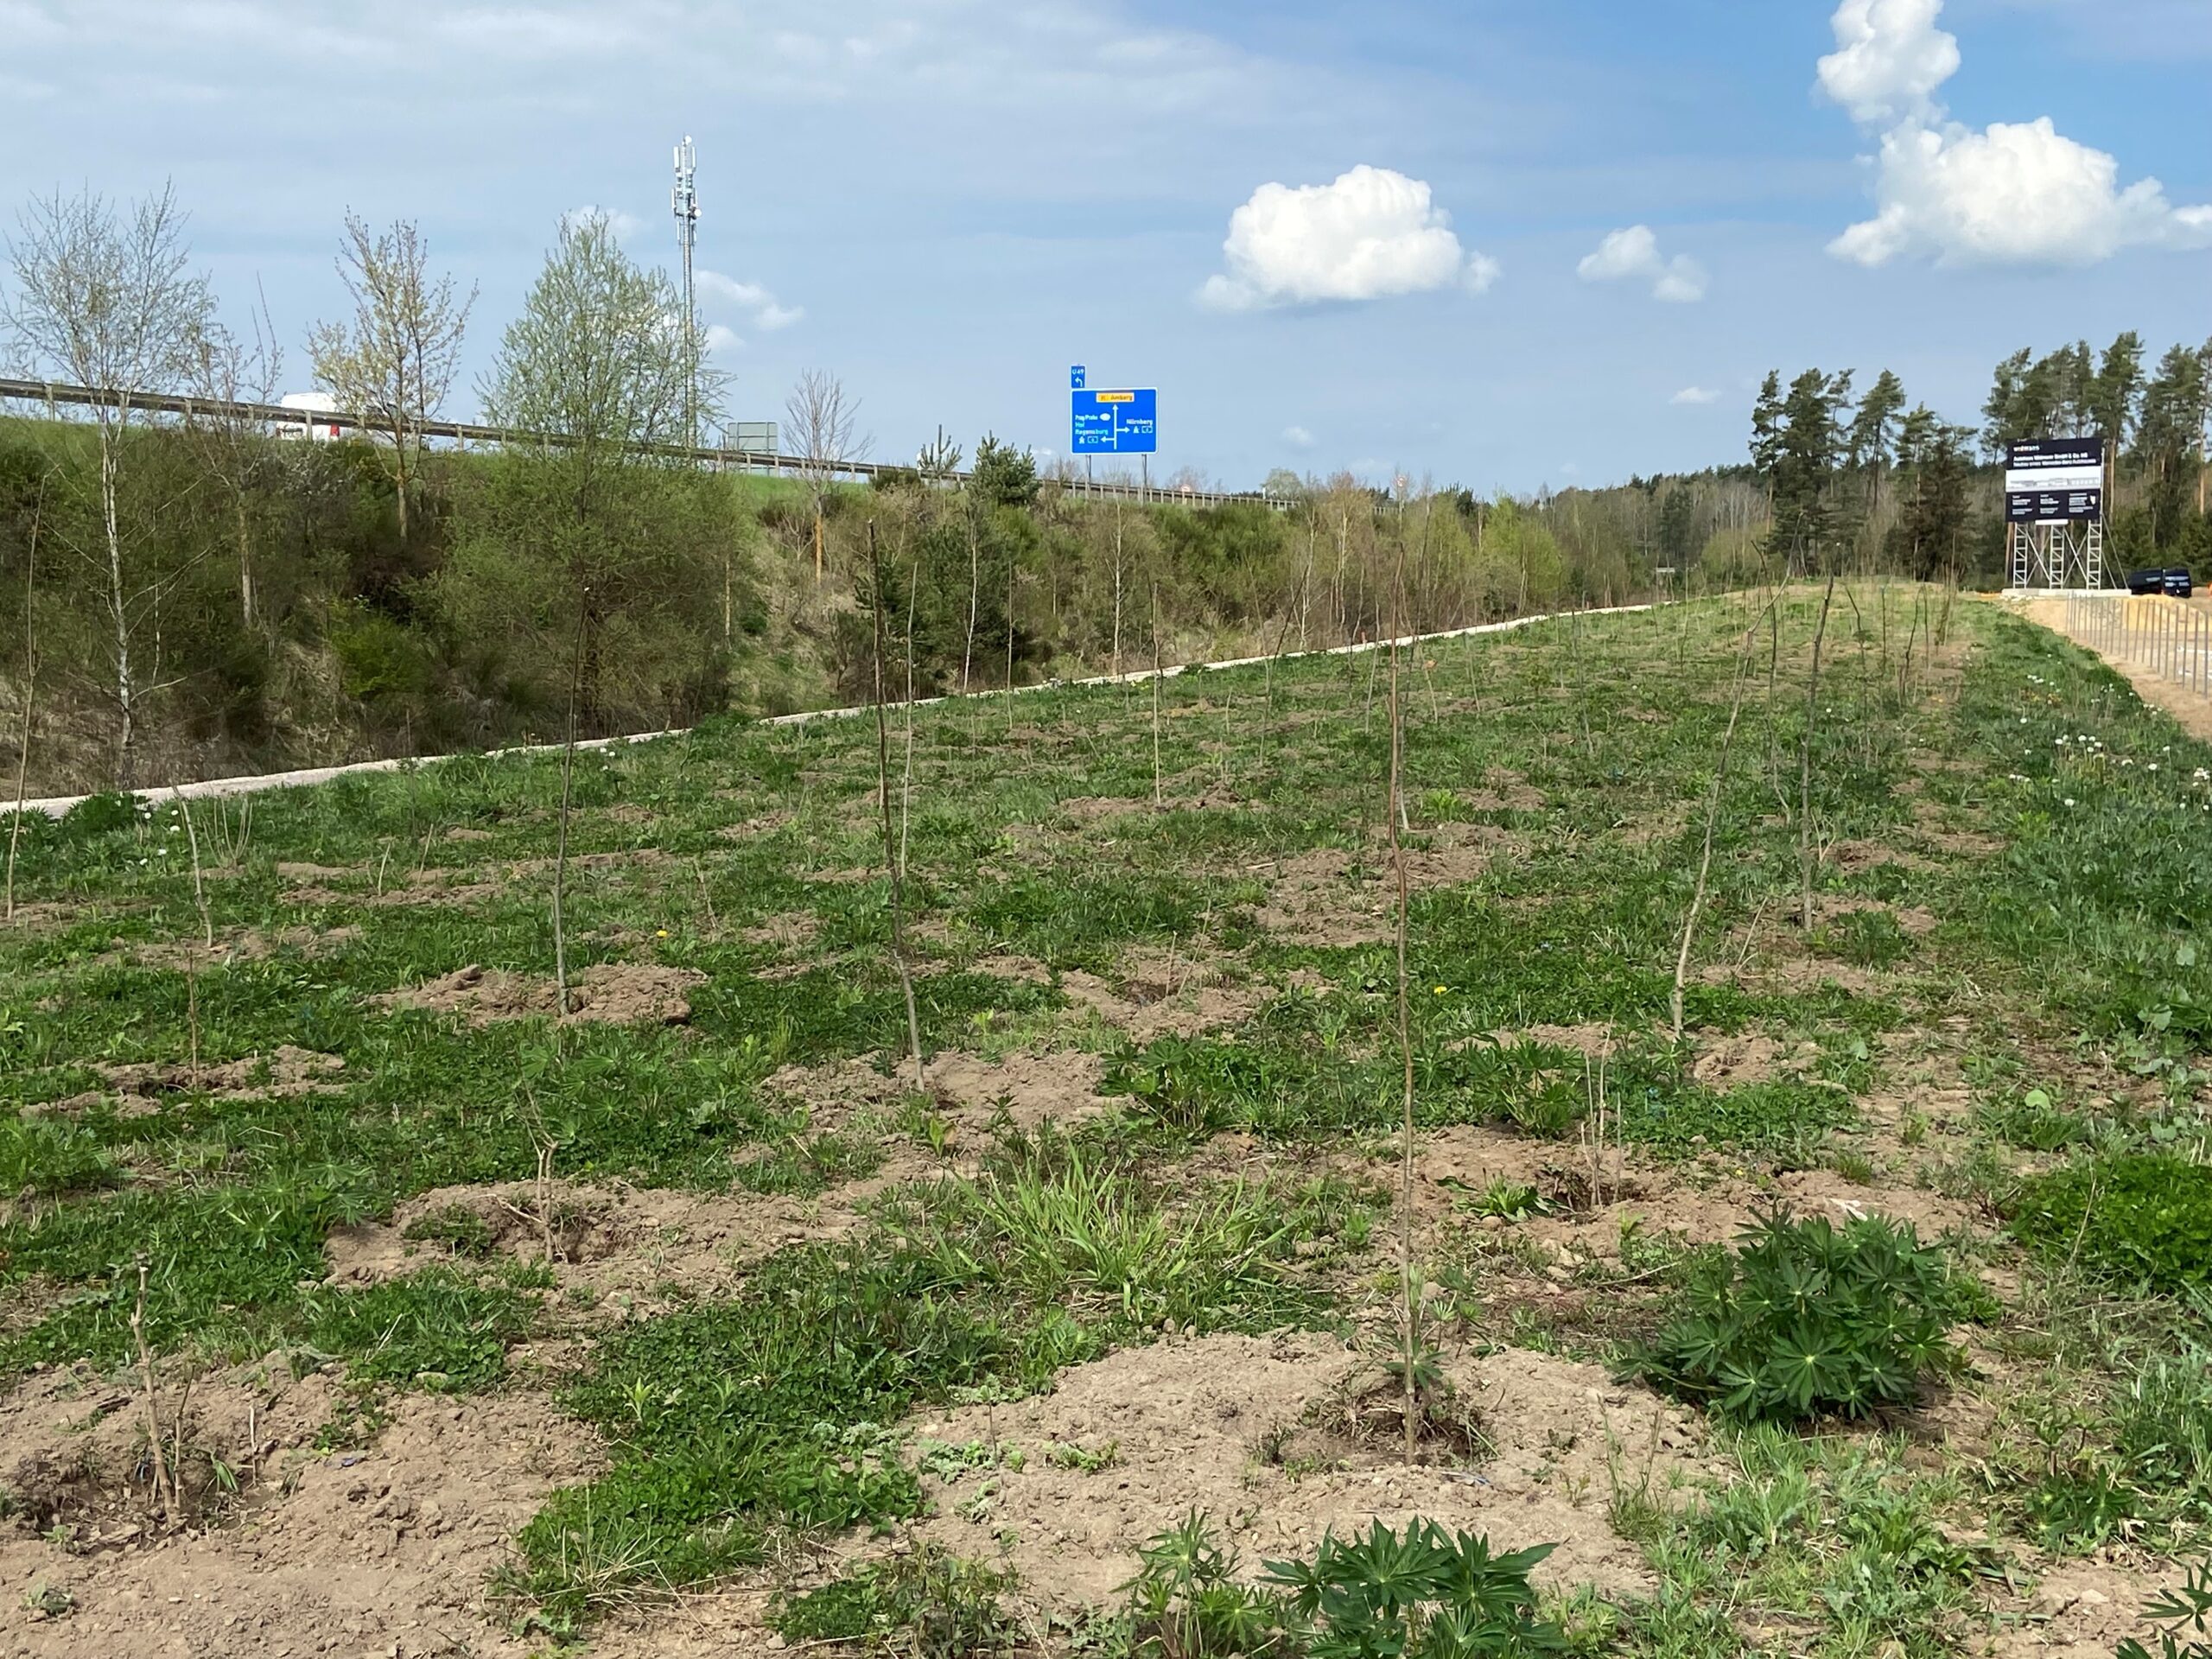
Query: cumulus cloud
pixel 768 316
pixel 2015 193
pixel 1371 233
pixel 1633 255
pixel 1694 397
pixel 1890 59
pixel 721 337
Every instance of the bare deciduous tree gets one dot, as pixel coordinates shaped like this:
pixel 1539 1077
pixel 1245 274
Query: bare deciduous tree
pixel 107 296
pixel 233 370
pixel 819 421
pixel 392 363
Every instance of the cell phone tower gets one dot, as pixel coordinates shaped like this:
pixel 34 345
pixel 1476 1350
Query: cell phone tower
pixel 684 200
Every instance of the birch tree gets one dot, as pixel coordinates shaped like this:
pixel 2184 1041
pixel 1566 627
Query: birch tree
pixel 819 419
pixel 392 362
pixel 106 295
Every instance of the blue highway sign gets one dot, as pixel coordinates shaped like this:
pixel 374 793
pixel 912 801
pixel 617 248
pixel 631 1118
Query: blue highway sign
pixel 1075 377
pixel 1116 423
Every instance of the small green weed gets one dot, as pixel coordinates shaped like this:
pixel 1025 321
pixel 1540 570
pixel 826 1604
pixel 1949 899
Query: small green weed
pixel 929 1604
pixel 1072 1454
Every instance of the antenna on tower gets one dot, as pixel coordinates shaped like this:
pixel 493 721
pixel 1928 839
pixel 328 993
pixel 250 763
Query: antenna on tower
pixel 684 200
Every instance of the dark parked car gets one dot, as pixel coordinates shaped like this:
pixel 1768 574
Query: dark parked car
pixel 2174 583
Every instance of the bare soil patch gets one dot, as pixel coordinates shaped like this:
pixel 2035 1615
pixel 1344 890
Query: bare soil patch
pixel 1312 902
pixel 290 1073
pixel 1184 1002
pixel 1724 1062
pixel 622 994
pixel 1211 1424
pixel 375 1551
pixel 1060 1087
pixel 630 1247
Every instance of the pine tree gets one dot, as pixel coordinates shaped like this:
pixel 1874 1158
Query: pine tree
pixel 2000 414
pixel 2116 393
pixel 1766 426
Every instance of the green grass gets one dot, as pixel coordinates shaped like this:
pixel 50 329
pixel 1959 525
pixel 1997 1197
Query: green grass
pixel 774 1410
pixel 2070 889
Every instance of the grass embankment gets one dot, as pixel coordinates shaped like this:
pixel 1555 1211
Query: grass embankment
pixel 1165 1084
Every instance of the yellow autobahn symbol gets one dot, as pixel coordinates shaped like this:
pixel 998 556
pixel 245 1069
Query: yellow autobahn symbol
pixel 1117 397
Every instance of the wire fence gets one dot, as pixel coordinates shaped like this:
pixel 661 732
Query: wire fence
pixel 2170 638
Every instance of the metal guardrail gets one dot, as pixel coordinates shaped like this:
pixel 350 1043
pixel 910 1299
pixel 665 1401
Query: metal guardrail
pixel 55 394
pixel 2170 638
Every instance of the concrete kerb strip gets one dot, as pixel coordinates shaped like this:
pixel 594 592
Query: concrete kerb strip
pixel 54 805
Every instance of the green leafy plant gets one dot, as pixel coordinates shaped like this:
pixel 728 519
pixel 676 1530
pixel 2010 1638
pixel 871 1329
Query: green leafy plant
pixel 1426 1593
pixel 1804 1319
pixel 2187 1615
pixel 930 1604
pixel 2142 1217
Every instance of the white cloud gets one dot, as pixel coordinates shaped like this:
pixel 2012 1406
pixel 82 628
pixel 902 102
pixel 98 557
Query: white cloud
pixel 1298 436
pixel 721 337
pixel 1695 397
pixel 2018 193
pixel 625 225
pixel 1371 233
pixel 1634 254
pixel 1890 59
pixel 767 315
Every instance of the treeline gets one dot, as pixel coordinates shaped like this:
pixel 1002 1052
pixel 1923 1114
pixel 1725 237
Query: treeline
pixel 185 597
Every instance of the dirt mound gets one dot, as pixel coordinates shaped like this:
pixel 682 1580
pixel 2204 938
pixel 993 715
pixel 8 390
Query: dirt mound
pixel 290 1073
pixel 73 1444
pixel 377 1551
pixel 836 1094
pixel 1060 1088
pixel 289 871
pixel 1314 902
pixel 1735 1062
pixel 614 993
pixel 1177 1002
pixel 1211 1424
pixel 628 1246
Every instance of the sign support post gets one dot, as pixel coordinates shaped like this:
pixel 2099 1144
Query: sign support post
pixel 2055 511
pixel 1113 424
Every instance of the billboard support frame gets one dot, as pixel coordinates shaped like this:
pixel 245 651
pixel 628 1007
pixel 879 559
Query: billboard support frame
pixel 2054 514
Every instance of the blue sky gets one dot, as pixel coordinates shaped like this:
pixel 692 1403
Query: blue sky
pixel 946 202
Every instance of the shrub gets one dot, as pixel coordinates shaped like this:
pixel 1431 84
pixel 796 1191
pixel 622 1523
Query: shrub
pixel 2140 1217
pixel 1804 1319
pixel 1428 1594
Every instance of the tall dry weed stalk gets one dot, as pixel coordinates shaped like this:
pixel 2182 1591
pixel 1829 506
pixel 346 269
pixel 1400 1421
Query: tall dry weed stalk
pixel 1808 848
pixel 1712 819
pixel 1395 814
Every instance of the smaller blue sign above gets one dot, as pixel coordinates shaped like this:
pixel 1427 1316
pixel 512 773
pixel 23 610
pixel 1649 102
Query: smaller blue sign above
pixel 1075 379
pixel 1116 423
